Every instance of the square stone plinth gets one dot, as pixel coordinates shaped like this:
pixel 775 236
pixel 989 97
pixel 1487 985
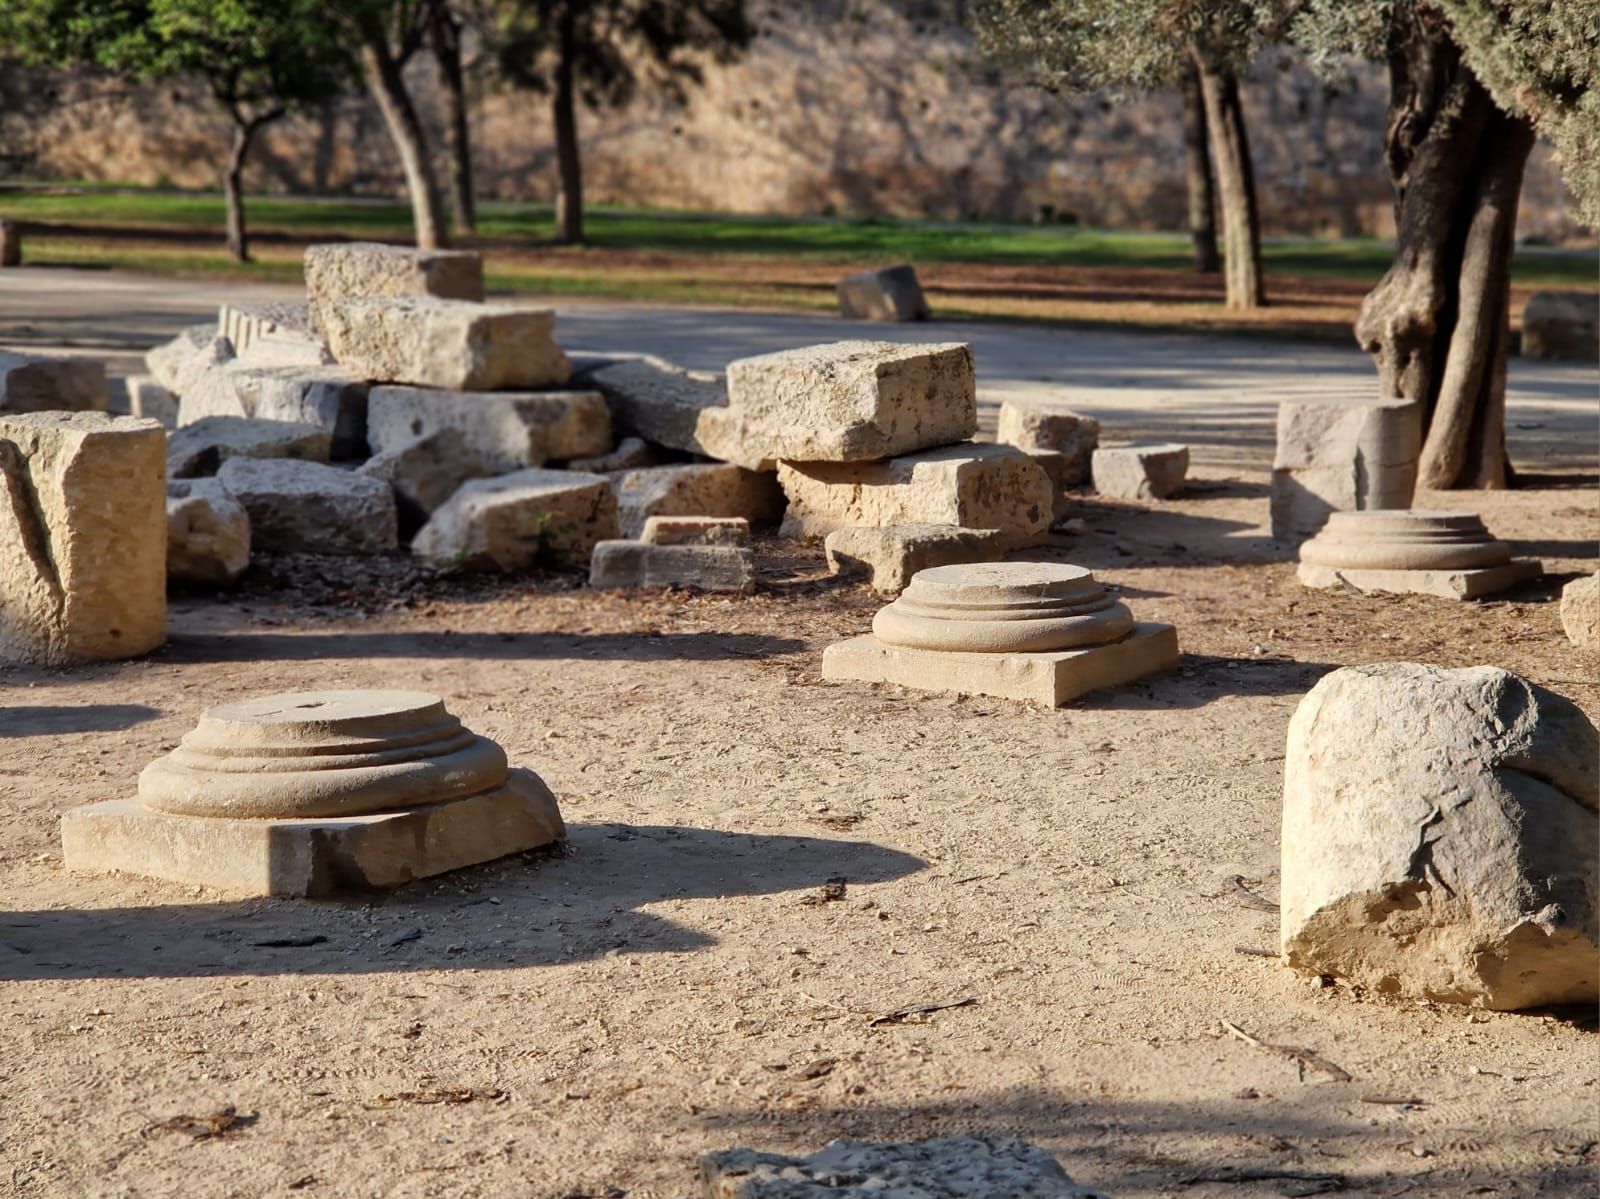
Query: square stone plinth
pixel 311 857
pixel 1048 679
pixel 1448 584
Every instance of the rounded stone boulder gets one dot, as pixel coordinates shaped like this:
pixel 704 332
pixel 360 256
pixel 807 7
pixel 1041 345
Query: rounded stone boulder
pixel 1003 607
pixel 1405 540
pixel 323 754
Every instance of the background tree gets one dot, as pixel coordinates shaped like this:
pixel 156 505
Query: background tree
pixel 1470 80
pixel 1201 183
pixel 600 52
pixel 259 59
pixel 448 22
pixel 1088 45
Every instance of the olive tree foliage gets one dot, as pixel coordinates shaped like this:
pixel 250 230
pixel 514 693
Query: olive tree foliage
pixel 1141 45
pixel 258 59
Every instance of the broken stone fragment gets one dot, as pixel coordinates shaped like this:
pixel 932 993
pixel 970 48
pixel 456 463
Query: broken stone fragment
pixel 1037 430
pixel 355 270
pixel 168 362
pixel 149 399
pixel 632 453
pixel 45 383
pixel 659 402
pixel 426 471
pixel 889 555
pixel 1341 456
pixel 200 449
pixel 205 386
pixel 1580 612
pixel 1140 472
pixel 1440 838
pixel 208 533
pixel 453 344
pixel 697 489
pixel 890 294
pixel 328 397
pixel 509 430
pixel 624 565
pixel 516 521
pixel 299 507
pixel 696 530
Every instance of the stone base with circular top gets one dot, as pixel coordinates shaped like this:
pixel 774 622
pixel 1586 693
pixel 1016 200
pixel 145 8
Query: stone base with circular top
pixel 1448 554
pixel 312 793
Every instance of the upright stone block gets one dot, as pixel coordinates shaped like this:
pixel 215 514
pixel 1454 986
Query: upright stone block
pixel 974 486
pixel 891 294
pixel 1038 430
pixel 42 383
pixel 83 537
pixel 356 270
pixel 1342 456
pixel 452 344
pixel 524 519
pixel 509 430
pixel 698 489
pixel 1140 472
pixel 848 401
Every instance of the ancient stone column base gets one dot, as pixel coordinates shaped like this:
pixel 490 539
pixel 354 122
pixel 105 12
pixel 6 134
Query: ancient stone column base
pixel 1049 678
pixel 1461 584
pixel 317 855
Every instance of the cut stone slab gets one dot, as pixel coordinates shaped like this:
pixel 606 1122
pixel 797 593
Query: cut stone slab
pixel 661 403
pixel 891 294
pixel 1038 430
pixel 953 1168
pixel 847 401
pixel 200 449
pixel 426 471
pixel 244 324
pixel 626 565
pixel 149 399
pixel 524 519
pixel 1140 472
pixel 632 453
pixel 1448 554
pixel 315 793
pixel 708 489
pixel 40 383
pixel 891 554
pixel 452 344
pixel 1440 837
pixel 975 486
pixel 696 530
pixel 208 533
pixel 356 270
pixel 1580 612
pixel 508 430
pixel 1342 456
pixel 1562 325
pixel 83 537
pixel 299 507
pixel 168 362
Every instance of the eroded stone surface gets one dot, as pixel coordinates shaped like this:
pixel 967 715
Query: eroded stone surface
pixel 43 383
pixel 890 294
pixel 299 507
pixel 328 397
pixel 83 537
pixel 890 555
pixel 700 489
pixel 208 533
pixel 659 402
pixel 200 449
pixel 1037 430
pixel 168 361
pixel 695 530
pixel 1140 472
pixel 1580 612
pixel 523 519
pixel 1449 554
pixel 451 344
pixel 1335 456
pixel 243 324
pixel 639 564
pixel 205 386
pixel 508 430
pixel 1440 837
pixel 426 471
pixel 1003 607
pixel 356 270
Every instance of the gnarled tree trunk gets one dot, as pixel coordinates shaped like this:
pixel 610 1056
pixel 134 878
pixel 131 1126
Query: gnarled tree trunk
pixel 1202 188
pixel 1236 186
pixel 564 112
pixel 245 128
pixel 1438 323
pixel 384 80
pixel 444 36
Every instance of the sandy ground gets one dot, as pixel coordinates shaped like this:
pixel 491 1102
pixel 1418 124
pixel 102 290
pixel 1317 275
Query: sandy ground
pixel 583 1025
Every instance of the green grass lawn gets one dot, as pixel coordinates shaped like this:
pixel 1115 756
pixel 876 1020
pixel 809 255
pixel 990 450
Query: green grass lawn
pixel 795 238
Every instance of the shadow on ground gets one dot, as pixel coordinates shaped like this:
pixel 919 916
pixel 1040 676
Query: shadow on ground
pixel 54 721
pixel 639 647
pixel 532 910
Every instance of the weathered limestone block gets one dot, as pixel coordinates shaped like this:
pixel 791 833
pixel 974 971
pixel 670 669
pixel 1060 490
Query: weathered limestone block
pixel 200 449
pixel 83 537
pixel 301 507
pixel 696 530
pixel 966 1167
pixel 626 565
pixel 274 350
pixel 700 489
pixel 1562 324
pixel 1440 837
pixel 10 243
pixel 208 533
pixel 39 383
pixel 149 399
pixel 1342 456
pixel 509 430
pixel 891 554
pixel 312 793
pixel 1055 465
pixel 1448 554
pixel 243 324
pixel 1580 612
pixel 847 401
pixel 426 471
pixel 1036 430
pixel 527 518
pixel 975 486
pixel 356 270
pixel 329 397
pixel 206 387
pixel 662 403
pixel 453 344
pixel 1140 472
pixel 891 294
pixel 168 361
pixel 632 453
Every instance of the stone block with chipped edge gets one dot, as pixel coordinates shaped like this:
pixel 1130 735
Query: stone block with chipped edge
pixel 1037 429
pixel 848 401
pixel 1459 584
pixel 456 345
pixel 328 397
pixel 1341 455
pixel 83 537
pixel 353 270
pixel 893 293
pixel 242 324
pixel 208 533
pixel 664 404
pixel 149 399
pixel 426 471
pixel 697 489
pixel 200 449
pixel 313 856
pixel 1049 679
pixel 889 555
pixel 205 386
pixel 625 565
pixel 49 383
pixel 631 453
pixel 1580 612
pixel 509 430
pixel 973 485
pixel 1140 472
pixel 168 361
pixel 299 507
pixel 695 530
pixel 524 519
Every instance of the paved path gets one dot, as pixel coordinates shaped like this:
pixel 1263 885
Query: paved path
pixel 1217 393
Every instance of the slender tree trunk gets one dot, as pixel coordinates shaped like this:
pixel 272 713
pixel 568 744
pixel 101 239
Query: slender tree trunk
pixel 244 133
pixel 1236 187
pixel 388 87
pixel 444 34
pixel 1202 188
pixel 569 197
pixel 1438 323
